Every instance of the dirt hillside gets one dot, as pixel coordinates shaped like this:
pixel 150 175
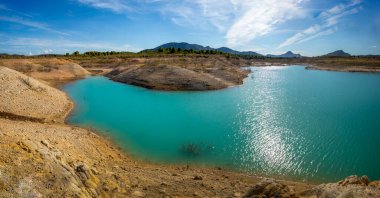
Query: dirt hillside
pixel 23 97
pixel 47 69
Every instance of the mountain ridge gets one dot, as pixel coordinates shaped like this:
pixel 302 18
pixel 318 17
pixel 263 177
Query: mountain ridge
pixel 288 54
pixel 338 53
pixel 188 46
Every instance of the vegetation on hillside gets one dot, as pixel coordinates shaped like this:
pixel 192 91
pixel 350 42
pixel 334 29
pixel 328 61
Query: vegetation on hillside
pixel 145 53
pixel 164 53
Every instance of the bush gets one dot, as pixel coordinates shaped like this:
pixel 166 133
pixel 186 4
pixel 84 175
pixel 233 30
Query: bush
pixel 194 149
pixel 191 149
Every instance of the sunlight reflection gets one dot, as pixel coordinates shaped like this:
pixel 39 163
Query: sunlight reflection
pixel 266 142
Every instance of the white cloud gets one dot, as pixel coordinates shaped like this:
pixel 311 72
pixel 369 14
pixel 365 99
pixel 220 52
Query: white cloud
pixel 339 8
pixel 241 20
pixel 198 13
pixel 330 18
pixel 217 12
pixel 32 24
pixel 260 18
pixel 57 45
pixel 319 34
pixel 117 6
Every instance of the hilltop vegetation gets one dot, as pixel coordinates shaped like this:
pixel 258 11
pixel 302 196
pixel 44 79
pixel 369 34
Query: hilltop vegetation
pixel 187 46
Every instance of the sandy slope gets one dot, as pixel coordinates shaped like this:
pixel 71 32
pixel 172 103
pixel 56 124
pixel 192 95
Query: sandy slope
pixel 61 161
pixel 50 70
pixel 24 96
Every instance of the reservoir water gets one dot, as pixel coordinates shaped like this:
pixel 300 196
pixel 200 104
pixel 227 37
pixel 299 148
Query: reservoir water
pixel 283 121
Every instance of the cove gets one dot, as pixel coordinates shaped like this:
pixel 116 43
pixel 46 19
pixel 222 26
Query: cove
pixel 283 121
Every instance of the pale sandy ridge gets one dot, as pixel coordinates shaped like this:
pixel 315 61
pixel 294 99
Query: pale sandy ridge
pixel 46 68
pixel 24 96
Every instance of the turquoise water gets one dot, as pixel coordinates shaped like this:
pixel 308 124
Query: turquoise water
pixel 283 121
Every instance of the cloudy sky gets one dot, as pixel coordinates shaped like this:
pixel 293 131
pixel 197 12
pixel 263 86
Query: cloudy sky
pixel 309 27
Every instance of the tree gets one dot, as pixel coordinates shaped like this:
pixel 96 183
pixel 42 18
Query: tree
pixel 76 53
pixel 67 54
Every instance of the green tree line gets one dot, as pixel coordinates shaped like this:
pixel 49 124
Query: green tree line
pixel 163 51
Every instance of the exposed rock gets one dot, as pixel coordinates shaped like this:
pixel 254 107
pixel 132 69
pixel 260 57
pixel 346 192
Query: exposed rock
pixel 165 77
pixel 45 143
pixel 138 193
pixel 197 177
pixel 177 72
pixel 270 188
pixel 194 72
pixel 354 179
pixel 352 186
pixel 375 184
pixel 83 172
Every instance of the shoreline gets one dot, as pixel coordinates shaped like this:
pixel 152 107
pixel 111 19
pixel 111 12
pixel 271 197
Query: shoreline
pixel 107 137
pixel 94 165
pixel 345 69
pixel 309 66
pixel 208 166
pixel 114 144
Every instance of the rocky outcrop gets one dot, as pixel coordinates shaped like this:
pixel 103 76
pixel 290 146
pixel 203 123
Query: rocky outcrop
pixel 270 188
pixel 164 77
pixel 52 160
pixel 24 98
pixel 352 186
pixel 172 72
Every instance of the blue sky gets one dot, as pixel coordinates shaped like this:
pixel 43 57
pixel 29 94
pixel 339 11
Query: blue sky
pixel 309 27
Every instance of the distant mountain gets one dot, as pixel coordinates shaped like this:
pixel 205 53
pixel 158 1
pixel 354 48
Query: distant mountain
pixel 187 46
pixel 339 53
pixel 227 50
pixel 183 45
pixel 288 54
pixel 231 51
